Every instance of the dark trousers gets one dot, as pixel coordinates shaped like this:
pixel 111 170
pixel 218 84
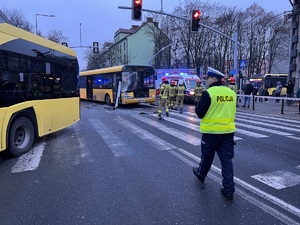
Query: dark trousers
pixel 277 95
pixel 223 144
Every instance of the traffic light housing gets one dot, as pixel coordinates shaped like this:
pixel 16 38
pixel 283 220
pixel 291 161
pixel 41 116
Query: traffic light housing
pixel 136 12
pixel 95 47
pixel 195 20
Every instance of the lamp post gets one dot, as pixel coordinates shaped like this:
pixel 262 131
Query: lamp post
pixel 159 52
pixel 36 23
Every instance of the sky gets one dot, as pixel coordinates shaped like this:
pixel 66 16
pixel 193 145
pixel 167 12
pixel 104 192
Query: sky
pixel 85 22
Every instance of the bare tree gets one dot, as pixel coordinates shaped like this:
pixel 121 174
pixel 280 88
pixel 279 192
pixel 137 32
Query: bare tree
pixel 17 18
pixel 57 36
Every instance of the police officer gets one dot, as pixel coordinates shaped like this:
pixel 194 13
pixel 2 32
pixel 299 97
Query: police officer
pixel 217 109
pixel 180 91
pixel 163 94
pixel 233 87
pixel 171 97
pixel 198 91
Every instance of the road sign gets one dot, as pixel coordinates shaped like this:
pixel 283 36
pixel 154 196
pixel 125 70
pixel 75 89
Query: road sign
pixel 243 63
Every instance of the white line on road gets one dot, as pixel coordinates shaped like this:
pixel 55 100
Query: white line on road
pixel 196 127
pixel 30 160
pixel 115 144
pixel 176 133
pixel 284 205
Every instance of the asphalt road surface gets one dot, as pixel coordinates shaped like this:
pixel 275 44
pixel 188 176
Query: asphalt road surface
pixel 125 166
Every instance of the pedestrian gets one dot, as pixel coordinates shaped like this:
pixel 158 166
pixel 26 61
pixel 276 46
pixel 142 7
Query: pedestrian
pixel 278 91
pixel 163 95
pixel 289 91
pixel 261 92
pixel 233 87
pixel 180 91
pixel 217 109
pixel 198 91
pixel 298 96
pixel 266 93
pixel 248 90
pixel 172 97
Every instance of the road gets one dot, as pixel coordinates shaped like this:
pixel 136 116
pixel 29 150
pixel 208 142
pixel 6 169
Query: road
pixel 124 166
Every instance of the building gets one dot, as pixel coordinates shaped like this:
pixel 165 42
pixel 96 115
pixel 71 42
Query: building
pixel 139 46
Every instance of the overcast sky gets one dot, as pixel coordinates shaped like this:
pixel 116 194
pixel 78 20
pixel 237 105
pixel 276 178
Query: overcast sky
pixel 100 19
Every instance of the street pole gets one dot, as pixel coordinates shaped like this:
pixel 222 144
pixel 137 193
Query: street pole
pixel 235 39
pixel 159 52
pixel 36 21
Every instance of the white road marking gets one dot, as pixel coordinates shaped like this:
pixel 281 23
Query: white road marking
pixel 30 160
pixel 282 204
pixel 262 129
pixel 256 116
pixel 115 144
pixel 283 127
pixel 278 179
pixel 293 137
pixel 85 155
pixel 274 121
pixel 158 143
pixel 176 133
pixel 196 127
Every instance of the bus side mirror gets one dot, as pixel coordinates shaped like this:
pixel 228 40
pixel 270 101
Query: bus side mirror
pixel 155 76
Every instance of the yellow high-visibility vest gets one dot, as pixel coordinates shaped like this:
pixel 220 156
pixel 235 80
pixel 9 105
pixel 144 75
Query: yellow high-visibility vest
pixel 219 119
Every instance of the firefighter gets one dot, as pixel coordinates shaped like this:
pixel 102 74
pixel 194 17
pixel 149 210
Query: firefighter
pixel 233 87
pixel 198 91
pixel 172 98
pixel 163 95
pixel 180 91
pixel 217 111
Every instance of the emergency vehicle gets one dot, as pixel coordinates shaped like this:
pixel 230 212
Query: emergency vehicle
pixel 188 76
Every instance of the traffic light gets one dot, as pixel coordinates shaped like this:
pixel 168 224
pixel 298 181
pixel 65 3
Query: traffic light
pixel 95 47
pixel 195 20
pixel 136 12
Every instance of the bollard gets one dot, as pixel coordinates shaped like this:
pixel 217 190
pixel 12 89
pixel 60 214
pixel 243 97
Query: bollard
pixel 253 104
pixel 282 105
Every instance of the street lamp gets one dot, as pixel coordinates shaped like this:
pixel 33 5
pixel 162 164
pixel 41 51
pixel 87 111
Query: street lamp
pixel 36 24
pixel 159 52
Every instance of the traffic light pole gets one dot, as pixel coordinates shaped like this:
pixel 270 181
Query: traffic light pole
pixel 234 39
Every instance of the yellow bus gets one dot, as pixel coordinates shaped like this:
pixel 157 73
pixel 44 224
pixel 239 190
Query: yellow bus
pixel 39 91
pixel 269 82
pixel 136 84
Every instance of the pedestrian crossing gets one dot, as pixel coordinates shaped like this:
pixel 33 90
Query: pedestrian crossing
pixel 184 127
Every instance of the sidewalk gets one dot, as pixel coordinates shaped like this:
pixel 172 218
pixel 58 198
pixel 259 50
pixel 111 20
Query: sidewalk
pixel 272 108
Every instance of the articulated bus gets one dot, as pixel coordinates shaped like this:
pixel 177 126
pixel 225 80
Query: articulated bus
pixel 137 84
pixel 269 82
pixel 39 91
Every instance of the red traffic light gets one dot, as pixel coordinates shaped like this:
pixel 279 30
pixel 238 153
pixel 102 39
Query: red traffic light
pixel 195 20
pixel 136 12
pixel 196 14
pixel 137 2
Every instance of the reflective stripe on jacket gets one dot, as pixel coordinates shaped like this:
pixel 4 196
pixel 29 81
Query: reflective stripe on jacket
pixel 172 91
pixel 180 90
pixel 198 90
pixel 164 90
pixel 219 119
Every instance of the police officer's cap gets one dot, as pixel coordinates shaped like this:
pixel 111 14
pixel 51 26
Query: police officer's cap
pixel 214 73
